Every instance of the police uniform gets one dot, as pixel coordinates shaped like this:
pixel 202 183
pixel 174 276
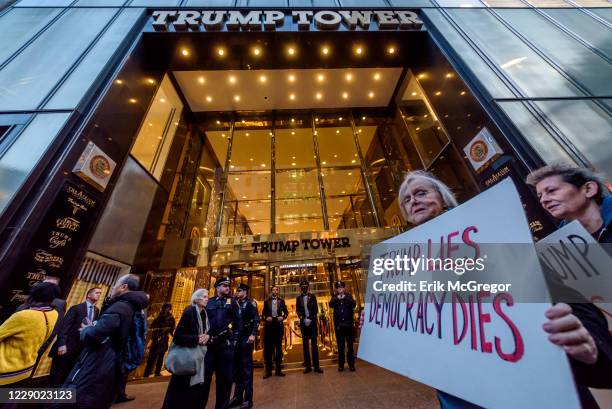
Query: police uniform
pixel 243 363
pixel 343 324
pixel 224 319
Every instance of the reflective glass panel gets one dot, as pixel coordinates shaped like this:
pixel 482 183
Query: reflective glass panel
pixel 342 181
pixel 336 141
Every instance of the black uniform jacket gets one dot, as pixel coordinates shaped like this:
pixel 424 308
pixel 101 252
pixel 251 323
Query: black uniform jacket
pixel 313 307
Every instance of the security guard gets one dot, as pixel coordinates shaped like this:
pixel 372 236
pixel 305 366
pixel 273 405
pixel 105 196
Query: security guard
pixel 343 305
pixel 224 316
pixel 243 364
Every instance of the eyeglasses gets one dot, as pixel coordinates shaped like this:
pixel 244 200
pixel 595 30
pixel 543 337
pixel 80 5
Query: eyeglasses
pixel 419 194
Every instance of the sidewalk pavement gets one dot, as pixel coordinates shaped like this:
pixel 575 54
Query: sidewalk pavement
pixel 370 387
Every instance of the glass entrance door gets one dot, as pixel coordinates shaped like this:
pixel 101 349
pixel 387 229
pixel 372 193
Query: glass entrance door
pixel 288 277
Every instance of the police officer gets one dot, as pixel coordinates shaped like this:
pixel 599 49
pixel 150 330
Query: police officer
pixel 224 316
pixel 343 305
pixel 243 364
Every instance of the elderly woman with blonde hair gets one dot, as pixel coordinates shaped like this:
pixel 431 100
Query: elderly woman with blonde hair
pixel 185 391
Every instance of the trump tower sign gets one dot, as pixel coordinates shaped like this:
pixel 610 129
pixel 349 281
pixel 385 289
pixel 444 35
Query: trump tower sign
pixel 458 303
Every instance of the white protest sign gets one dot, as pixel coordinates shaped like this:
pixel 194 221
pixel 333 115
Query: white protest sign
pixel 485 348
pixel 581 263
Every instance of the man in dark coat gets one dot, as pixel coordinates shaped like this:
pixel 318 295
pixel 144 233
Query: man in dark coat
pixel 99 366
pixel 243 364
pixel 161 328
pixel 343 305
pixel 67 347
pixel 308 311
pixel 224 320
pixel 274 314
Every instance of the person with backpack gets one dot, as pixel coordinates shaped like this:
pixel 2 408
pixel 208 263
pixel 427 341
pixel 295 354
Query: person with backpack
pixel 133 354
pixel 100 365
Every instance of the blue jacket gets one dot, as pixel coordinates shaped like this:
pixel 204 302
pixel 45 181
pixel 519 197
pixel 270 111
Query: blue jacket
pixel 606 215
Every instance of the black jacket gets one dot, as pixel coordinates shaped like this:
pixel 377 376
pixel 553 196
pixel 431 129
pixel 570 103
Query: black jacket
pixel 313 308
pixel 69 334
pixel 187 331
pixel 160 330
pixel 343 310
pixel 99 364
pixel 281 309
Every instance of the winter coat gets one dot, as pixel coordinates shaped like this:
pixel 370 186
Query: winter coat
pixel 100 363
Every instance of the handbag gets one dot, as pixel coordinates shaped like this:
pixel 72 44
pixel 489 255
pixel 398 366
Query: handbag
pixel 183 360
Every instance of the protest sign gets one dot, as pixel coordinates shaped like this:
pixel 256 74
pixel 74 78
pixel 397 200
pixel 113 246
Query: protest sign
pixel 481 345
pixel 581 263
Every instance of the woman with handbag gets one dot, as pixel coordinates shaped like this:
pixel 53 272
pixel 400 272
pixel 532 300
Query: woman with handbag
pixel 185 358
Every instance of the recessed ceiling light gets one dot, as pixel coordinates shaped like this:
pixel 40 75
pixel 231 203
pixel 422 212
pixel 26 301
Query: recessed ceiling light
pixel 349 77
pixel 118 82
pixel 263 165
pixel 293 157
pixel 337 130
pixel 292 133
pixel 232 79
pixel 236 98
pixel 236 178
pixel 350 173
pixel 291 51
pixel 438 93
pixel 391 50
pixel 371 95
pixel 353 161
pixel 319 95
pixel 320 78
pixel 316 119
pixel 221 51
pixel 132 100
pixel 162 100
pixel 376 76
pixel 243 121
pixel 414 93
pixel 151 81
pixel 345 95
pixel 232 166
pixel 247 134
pixel 418 129
pixel 325 50
pixel 358 50
pixel 201 80
pixel 256 50
pixel 450 75
pixel 335 156
pixel 363 118
pixel 421 76
pixel 340 118
pixel 291 77
pixel 462 93
pixel 218 122
pixel 292 163
pixel 262 78
pixel 150 124
pixel 324 163
pixel 185 52
pixel 251 159
pixel 208 98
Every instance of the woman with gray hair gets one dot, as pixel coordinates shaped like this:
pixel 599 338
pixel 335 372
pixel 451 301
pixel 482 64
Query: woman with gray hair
pixel 422 197
pixel 187 391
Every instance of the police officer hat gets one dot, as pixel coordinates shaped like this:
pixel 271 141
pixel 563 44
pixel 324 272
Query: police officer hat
pixel 222 281
pixel 340 284
pixel 243 287
pixel 304 283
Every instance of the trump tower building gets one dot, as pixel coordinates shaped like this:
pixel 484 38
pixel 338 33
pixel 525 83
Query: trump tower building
pixel 266 140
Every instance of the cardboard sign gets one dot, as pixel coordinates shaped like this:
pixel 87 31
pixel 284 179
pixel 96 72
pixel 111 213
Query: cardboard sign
pixel 581 263
pixel 487 348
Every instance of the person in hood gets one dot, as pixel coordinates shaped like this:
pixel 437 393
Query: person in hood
pixel 99 366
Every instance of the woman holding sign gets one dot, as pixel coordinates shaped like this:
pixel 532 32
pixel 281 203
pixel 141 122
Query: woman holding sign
pixel 422 197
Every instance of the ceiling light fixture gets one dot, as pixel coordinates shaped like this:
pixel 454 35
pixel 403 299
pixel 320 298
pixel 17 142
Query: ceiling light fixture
pixel 201 80
pixel 162 100
pixel 118 82
pixel 325 50
pixel 263 78
pixel 232 79
pixel 292 97
pixel 391 50
pixel 421 76
pixel 438 93
pixel 376 76
pixel 371 95
pixel 462 93
pixel 236 98
pixel 320 78
pixel 291 51
pixel 319 95
pixel 220 52
pixel 132 100
pixel 414 94
pixel 185 52
pixel 291 78
pixel 218 122
pixel 208 98
pixel 358 50
pixel 349 77
pixel 345 95
pixel 256 50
